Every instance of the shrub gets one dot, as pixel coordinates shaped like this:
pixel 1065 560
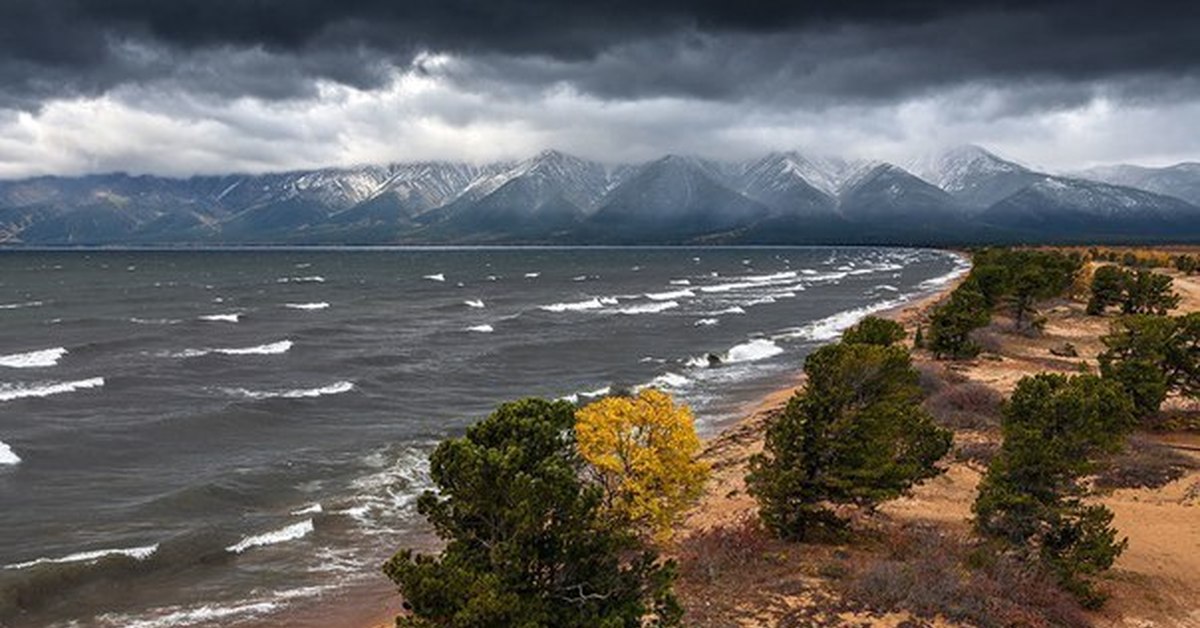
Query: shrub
pixel 526 542
pixel 1151 356
pixel 856 435
pixel 873 330
pixel 1144 464
pixel 642 451
pixel 933 575
pixel 1030 501
pixel 951 324
pixel 965 406
pixel 712 553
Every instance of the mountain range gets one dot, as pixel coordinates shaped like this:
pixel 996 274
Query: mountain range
pixel 959 196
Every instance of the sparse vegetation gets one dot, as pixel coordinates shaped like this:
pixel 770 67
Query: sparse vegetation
pixel 1030 502
pixel 1151 356
pixel 856 435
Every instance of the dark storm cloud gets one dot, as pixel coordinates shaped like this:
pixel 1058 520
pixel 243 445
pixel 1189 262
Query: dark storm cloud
pixel 771 52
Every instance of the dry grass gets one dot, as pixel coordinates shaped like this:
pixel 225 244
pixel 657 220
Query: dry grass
pixel 966 405
pixel 1145 464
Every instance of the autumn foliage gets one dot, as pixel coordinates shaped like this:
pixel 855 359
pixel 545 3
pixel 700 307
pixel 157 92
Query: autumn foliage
pixel 642 451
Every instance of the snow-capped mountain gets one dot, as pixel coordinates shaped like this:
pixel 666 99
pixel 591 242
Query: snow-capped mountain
pixel 972 175
pixel 1181 180
pixel 964 194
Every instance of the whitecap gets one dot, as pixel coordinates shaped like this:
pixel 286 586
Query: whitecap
pixel 436 277
pixel 680 282
pixel 155 321
pixel 731 310
pixel 667 296
pixel 7 455
pixel 483 329
pixel 138 553
pixel 579 278
pixel 759 301
pixel 757 349
pixel 590 304
pixel 650 308
pixel 33 359
pixel 222 318
pixel 273 348
pixel 298 393
pixel 477 303
pixel 282 535
pixel 832 326
pixel 8 392
pixel 532 275
pixel 609 300
pixel 17 306
pixel 311 509
pixel 318 305
pixel 666 380
pixel 309 279
pixel 706 322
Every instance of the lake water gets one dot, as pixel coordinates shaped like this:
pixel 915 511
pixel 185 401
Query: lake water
pixel 216 437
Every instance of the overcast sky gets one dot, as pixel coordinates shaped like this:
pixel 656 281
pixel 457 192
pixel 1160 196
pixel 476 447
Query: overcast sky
pixel 182 87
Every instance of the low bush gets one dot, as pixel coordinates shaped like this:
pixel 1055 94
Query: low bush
pixel 1144 464
pixel 968 405
pixel 931 575
pixel 708 555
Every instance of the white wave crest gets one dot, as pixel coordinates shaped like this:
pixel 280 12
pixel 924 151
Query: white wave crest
pixel 221 318
pixel 731 310
pixel 476 303
pixel 311 509
pixel 7 455
pixel 8 392
pixel 17 306
pixel 273 348
pixel 578 306
pixel 155 321
pixel 666 380
pixel 138 553
pixel 832 326
pixel 680 282
pixel 309 279
pixel 532 275
pixel 706 322
pixel 319 305
pixel 282 535
pixel 591 394
pixel 299 393
pixel 33 359
pixel 757 349
pixel 483 329
pixel 435 277
pixel 650 308
pixel 667 296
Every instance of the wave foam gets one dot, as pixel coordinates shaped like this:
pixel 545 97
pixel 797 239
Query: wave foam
pixel 9 392
pixel 282 535
pixel 650 308
pixel 155 321
pixel 435 277
pixel 138 553
pixel 680 282
pixel 483 329
pixel 309 279
pixel 666 380
pixel 319 305
pixel 831 327
pixel 706 322
pixel 476 303
pixel 667 296
pixel 221 318
pixel 532 275
pixel 7 455
pixel 17 306
pixel 757 349
pixel 33 359
pixel 299 393
pixel 578 306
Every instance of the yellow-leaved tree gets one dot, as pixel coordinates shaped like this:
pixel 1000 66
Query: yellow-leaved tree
pixel 643 451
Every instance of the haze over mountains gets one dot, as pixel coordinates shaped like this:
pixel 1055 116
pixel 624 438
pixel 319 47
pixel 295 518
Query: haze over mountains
pixel 963 195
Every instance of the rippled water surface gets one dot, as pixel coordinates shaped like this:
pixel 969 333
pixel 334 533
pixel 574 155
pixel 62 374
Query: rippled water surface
pixel 216 437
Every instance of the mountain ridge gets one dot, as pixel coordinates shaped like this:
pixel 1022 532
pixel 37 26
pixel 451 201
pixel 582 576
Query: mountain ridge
pixel 964 194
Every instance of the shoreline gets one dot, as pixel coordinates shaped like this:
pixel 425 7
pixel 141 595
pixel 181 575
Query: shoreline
pixel 746 430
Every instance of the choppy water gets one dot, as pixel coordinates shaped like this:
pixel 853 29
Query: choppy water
pixel 195 438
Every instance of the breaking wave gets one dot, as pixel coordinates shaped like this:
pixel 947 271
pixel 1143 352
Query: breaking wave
pixel 309 279
pixel 7 455
pixel 577 306
pixel 282 535
pixel 138 553
pixel 435 277
pixel 650 308
pixel 33 359
pixel 757 349
pixel 483 329
pixel 9 392
pixel 17 306
pixel 298 393
pixel 320 305
pixel 222 318
pixel 476 303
